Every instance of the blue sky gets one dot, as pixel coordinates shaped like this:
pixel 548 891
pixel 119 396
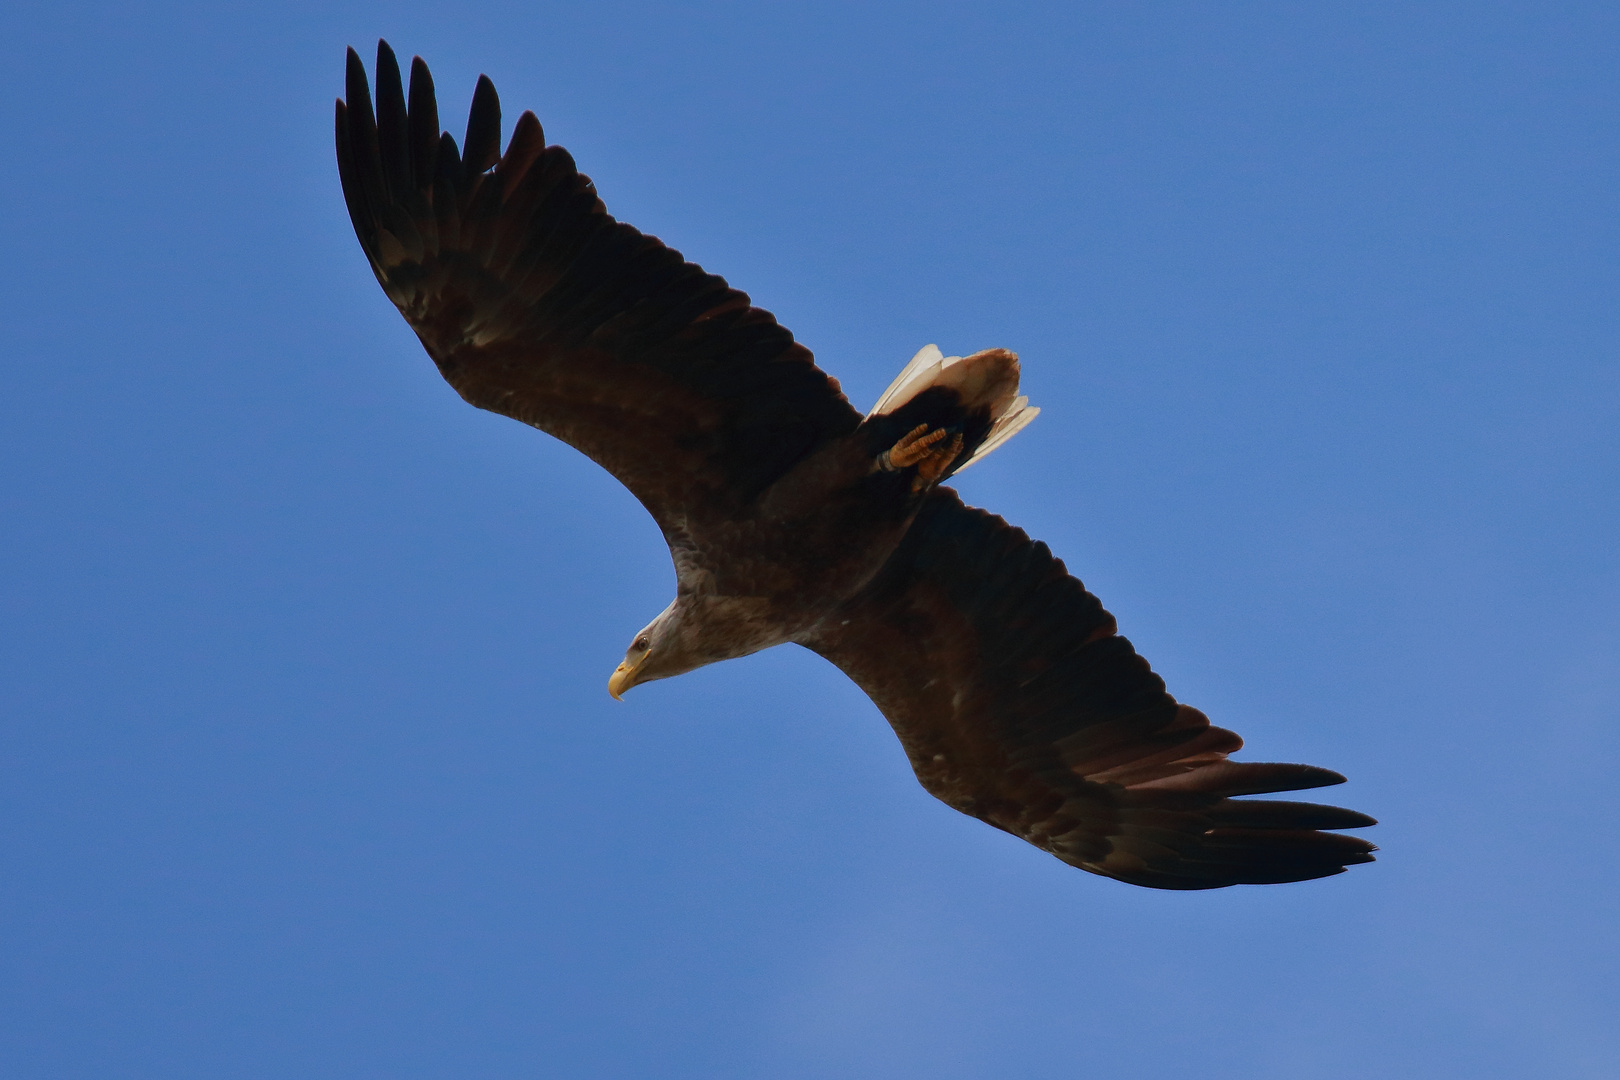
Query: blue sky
pixel 307 768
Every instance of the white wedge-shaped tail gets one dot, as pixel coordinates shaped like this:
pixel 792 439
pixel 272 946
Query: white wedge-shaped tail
pixel 988 378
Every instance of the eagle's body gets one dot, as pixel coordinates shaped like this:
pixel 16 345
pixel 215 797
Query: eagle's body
pixel 793 518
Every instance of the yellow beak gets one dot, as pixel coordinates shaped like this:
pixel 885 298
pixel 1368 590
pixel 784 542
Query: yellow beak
pixel 621 680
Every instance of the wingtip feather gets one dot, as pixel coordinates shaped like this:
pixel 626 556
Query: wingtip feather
pixel 393 126
pixel 481 148
pixel 424 120
pixel 357 88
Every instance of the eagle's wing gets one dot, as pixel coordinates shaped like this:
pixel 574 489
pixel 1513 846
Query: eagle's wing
pixel 1018 703
pixel 535 303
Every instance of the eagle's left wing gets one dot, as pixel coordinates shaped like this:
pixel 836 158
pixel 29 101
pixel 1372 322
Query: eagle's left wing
pixel 537 304
pixel 1017 702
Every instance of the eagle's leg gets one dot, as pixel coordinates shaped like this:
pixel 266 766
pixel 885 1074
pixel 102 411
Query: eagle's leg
pixel 922 448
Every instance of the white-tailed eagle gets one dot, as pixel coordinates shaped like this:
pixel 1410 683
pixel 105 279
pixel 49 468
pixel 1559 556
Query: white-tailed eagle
pixel 792 517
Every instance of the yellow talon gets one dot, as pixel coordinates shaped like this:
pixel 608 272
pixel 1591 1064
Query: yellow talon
pixel 913 446
pixel 920 447
pixel 934 465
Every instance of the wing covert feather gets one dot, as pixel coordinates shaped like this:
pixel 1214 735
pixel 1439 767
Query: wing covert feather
pixel 1018 703
pixel 536 304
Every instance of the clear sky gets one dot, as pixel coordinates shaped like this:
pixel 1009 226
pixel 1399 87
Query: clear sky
pixel 307 765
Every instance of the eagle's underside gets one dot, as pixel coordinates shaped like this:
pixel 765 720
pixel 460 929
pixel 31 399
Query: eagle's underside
pixel 793 518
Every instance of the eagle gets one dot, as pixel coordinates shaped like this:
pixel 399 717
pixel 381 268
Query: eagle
pixel 792 517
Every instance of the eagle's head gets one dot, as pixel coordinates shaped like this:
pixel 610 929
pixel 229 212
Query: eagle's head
pixel 697 629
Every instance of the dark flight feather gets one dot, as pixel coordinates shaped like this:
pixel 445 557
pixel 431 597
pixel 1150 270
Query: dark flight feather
pixel 483 141
pixel 1012 693
pixel 424 124
pixel 393 127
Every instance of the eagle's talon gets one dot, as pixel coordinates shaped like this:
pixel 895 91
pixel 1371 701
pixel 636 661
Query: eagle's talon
pixel 921 447
pixel 913 446
pixel 935 463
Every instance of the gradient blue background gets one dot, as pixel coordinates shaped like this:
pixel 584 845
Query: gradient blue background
pixel 307 768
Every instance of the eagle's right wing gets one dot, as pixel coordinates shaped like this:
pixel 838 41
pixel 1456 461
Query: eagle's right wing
pixel 1018 703
pixel 535 303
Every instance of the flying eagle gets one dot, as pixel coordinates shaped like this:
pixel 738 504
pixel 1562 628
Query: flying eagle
pixel 792 517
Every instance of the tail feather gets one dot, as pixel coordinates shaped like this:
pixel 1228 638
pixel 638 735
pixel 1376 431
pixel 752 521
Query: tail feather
pixel 986 381
pixel 916 375
pixel 1008 424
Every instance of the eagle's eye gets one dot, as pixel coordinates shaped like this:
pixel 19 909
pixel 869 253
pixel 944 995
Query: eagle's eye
pixel 641 645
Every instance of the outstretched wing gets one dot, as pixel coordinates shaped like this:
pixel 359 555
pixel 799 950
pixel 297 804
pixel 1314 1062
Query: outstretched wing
pixel 1018 703
pixel 535 303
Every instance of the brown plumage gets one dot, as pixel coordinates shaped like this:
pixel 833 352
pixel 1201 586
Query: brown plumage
pixel 790 517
